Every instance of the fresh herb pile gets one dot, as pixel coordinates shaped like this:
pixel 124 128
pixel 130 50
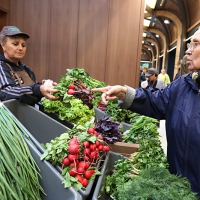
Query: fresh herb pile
pixel 76 100
pixel 109 129
pixel 154 184
pixel 19 177
pixel 78 151
pixel 143 127
pixel 150 154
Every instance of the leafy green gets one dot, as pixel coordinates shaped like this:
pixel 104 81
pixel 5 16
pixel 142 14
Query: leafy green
pixel 71 110
pixel 154 184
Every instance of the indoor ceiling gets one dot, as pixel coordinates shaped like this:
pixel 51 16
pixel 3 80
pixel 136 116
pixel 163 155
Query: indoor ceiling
pixel 168 25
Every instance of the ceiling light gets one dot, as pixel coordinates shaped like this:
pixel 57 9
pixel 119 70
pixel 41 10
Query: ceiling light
pixel 152 44
pixel 167 21
pixel 149 49
pixel 146 22
pixel 144 34
pixel 157 35
pixel 143 42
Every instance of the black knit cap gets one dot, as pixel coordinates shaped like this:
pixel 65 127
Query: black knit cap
pixel 11 31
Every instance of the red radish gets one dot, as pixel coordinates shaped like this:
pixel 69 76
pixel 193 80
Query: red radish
pixel 88 173
pixel 86 151
pixel 106 148
pixel 97 143
pixel 84 182
pixel 83 164
pixel 92 147
pixel 72 172
pixel 86 158
pixel 100 147
pixel 81 170
pixel 96 133
pixel 70 91
pixel 66 161
pixel 86 144
pixel 93 154
pixel 72 157
pixel 90 130
pixel 74 141
pixel 79 177
pixel 74 149
pixel 71 86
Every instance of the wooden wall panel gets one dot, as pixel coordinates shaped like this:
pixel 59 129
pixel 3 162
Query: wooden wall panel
pixel 124 42
pixel 103 37
pixel 194 11
pixel 33 17
pixel 5 5
pixel 63 37
pixel 92 37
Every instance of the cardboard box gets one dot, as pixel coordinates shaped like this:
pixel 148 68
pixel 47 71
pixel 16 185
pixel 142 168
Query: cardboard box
pixel 123 148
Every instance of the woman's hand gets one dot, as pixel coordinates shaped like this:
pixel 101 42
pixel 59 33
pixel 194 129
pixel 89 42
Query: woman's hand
pixel 111 92
pixel 47 91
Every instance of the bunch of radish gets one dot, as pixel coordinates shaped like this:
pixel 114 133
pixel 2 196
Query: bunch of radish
pixel 84 153
pixel 80 91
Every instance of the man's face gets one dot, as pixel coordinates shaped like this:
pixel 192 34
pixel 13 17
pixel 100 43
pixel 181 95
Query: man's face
pixel 193 52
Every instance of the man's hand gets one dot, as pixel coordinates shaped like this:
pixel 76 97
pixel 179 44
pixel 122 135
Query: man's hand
pixel 111 92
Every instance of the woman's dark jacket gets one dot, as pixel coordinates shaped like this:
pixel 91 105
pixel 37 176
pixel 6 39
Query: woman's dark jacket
pixel 9 88
pixel 179 105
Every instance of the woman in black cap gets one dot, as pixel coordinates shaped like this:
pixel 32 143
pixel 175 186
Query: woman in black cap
pixel 17 81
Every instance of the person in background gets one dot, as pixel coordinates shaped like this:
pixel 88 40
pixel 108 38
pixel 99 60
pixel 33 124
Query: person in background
pixel 165 77
pixel 17 81
pixel 142 75
pixel 178 74
pixel 179 105
pixel 154 82
pixel 182 67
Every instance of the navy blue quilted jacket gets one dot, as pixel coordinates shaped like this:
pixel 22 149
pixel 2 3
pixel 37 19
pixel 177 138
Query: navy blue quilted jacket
pixel 179 105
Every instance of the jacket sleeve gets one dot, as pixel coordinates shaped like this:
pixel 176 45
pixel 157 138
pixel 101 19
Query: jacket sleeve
pixel 10 90
pixel 147 102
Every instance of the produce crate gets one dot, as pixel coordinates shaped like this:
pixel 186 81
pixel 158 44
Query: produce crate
pixel 100 192
pixel 55 116
pixel 41 129
pixel 51 180
pixel 126 126
pixel 123 148
pixel 99 113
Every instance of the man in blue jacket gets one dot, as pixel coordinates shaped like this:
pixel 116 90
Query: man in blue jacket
pixel 179 105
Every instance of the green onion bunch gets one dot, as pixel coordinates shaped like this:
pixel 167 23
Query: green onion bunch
pixel 19 177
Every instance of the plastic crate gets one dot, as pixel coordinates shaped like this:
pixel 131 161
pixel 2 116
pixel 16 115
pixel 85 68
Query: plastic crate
pixel 40 107
pixel 41 129
pixel 100 192
pixel 51 180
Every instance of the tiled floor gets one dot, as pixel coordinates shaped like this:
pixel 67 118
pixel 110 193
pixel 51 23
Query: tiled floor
pixel 162 132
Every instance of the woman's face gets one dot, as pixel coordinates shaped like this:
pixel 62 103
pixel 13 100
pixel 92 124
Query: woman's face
pixel 14 48
pixel 193 54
